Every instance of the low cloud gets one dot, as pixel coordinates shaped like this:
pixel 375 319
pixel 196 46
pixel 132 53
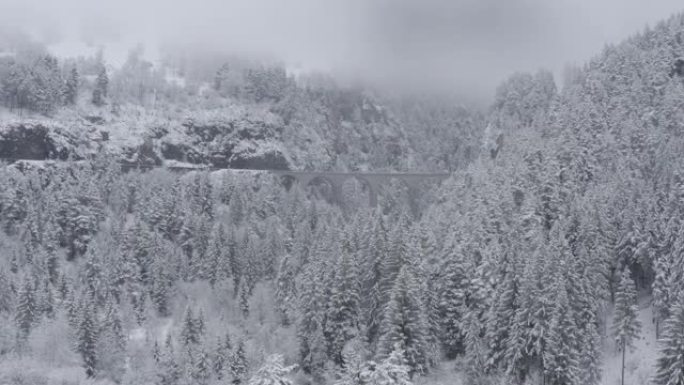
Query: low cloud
pixel 467 46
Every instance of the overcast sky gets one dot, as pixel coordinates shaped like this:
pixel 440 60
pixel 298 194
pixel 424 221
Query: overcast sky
pixel 467 45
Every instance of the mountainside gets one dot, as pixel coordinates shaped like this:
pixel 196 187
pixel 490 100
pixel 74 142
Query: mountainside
pixel 554 250
pixel 236 114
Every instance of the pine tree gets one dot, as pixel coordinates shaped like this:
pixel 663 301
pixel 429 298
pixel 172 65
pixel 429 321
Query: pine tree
pixel 46 300
pixel 670 366
pixel 27 308
pixel 189 333
pixel 238 363
pixel 216 255
pixel 626 322
pixel 111 345
pixel 87 340
pixel 156 352
pixel 244 298
pixel 272 372
pixel 199 325
pixel 101 87
pixel 404 323
pixel 310 323
pixel 6 293
pixel 342 321
pixel 159 292
pixel 590 354
pixel 561 352
pixel 71 87
pixel 221 356
pixel 501 314
pixel 374 254
pixel 168 370
pixel 391 371
pixel 201 372
pixel 450 305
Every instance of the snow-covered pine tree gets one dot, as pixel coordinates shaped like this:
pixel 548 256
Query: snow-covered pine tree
pixel 71 87
pixel 670 366
pixel 272 372
pixel 6 293
pixel 451 305
pixel 201 372
pixel 101 88
pixel 244 298
pixel 189 333
pixel 160 286
pixel 46 299
pixel 86 340
pixel 26 313
pixel 221 356
pixel 501 315
pixel 342 321
pixel 238 363
pixel 111 344
pixel 404 323
pixel 200 325
pixel 217 261
pixel 310 323
pixel 561 351
pixel 168 370
pixel 393 370
pixel 374 256
pixel 590 354
pixel 626 323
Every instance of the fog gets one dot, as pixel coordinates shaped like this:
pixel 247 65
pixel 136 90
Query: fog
pixel 467 46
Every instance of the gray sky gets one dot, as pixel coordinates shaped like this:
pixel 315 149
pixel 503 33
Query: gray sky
pixel 465 45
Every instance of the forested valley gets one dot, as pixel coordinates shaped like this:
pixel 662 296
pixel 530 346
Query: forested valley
pixel 553 252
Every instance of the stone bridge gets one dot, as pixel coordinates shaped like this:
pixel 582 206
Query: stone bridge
pixel 372 180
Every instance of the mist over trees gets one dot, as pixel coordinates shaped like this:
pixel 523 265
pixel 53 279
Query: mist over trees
pixel 533 263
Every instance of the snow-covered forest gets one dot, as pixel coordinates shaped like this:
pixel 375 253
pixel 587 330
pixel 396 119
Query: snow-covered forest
pixel 553 254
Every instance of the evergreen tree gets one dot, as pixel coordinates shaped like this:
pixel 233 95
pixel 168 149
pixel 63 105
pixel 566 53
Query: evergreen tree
pixel 590 354
pixel 238 364
pixel 626 322
pixel 560 355
pixel 71 87
pixel 190 335
pixel 221 356
pixel 6 293
pixel 46 300
pixel 111 345
pixel 391 371
pixel 272 372
pixel 501 314
pixel 312 352
pixel 244 298
pixel 342 321
pixel 375 254
pixel 201 372
pixel 450 305
pixel 670 366
pixel 87 340
pixel 404 323
pixel 26 314
pixel 101 88
pixel 168 371
pixel 156 352
pixel 159 292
